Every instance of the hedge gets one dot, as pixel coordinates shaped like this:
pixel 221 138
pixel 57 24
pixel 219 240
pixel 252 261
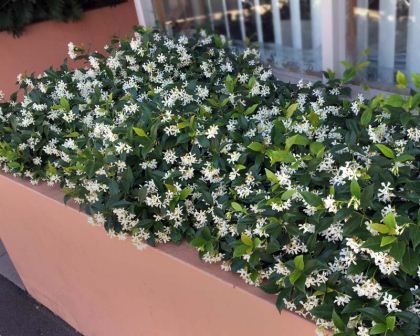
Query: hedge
pixel 302 190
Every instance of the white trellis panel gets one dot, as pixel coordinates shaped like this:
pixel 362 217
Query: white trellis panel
pixel 225 16
pixel 296 23
pixel 413 37
pixel 386 47
pixel 258 21
pixel 316 23
pixel 362 21
pixel 278 40
pixel 241 20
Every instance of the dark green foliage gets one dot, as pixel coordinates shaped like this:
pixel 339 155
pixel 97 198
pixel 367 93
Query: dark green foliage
pixel 16 14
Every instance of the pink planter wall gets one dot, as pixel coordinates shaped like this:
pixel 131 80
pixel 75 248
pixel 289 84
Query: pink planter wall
pixel 104 286
pixel 44 44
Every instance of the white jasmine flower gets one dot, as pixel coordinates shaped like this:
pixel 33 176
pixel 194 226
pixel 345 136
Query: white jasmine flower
pixel 71 50
pixel 390 303
pixel 385 193
pixel 342 299
pixel 369 288
pixel 412 133
pixel 212 131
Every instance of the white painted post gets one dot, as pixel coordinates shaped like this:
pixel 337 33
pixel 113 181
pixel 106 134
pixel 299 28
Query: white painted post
pixel 362 21
pixel 413 38
pixel 296 24
pixel 278 40
pixel 333 35
pixel 386 48
pixel 258 21
pixel 210 11
pixel 196 8
pixel 145 12
pixel 316 23
pixel 242 20
pixel 225 15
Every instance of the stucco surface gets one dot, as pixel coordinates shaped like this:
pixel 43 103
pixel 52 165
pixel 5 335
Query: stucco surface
pixel 104 286
pixel 44 44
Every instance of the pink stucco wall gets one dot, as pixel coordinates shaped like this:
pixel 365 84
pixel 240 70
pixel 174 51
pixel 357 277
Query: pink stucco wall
pixel 104 286
pixel 44 44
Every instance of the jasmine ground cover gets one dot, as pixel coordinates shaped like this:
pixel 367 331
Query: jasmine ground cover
pixel 301 190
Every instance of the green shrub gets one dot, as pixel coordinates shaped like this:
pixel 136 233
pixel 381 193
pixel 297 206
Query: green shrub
pixel 303 191
pixel 16 14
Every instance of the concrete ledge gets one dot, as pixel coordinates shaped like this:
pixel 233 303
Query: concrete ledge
pixel 104 286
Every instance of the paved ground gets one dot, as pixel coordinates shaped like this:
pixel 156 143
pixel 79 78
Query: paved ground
pixel 21 315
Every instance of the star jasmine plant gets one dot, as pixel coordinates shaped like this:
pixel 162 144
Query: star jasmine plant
pixel 299 189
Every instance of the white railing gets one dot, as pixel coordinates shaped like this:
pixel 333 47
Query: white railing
pixel 327 28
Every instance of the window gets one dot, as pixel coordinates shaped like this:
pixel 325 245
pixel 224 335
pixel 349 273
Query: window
pixel 309 35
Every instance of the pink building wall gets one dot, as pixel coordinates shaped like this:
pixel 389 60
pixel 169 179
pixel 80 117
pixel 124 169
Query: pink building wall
pixel 45 43
pixel 106 287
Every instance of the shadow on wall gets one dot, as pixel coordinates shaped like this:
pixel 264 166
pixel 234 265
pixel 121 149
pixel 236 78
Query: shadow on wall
pixel 7 269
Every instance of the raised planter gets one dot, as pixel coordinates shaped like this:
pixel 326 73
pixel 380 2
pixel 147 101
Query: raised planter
pixel 44 44
pixel 104 286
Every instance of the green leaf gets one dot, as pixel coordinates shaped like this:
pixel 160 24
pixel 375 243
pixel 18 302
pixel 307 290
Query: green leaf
pixel 338 322
pixel 198 242
pixel 140 132
pixel 373 313
pixel 185 193
pixel 251 109
pixel 378 329
pixel 355 189
pixel 171 187
pixel 280 156
pixel 385 151
pixel 271 176
pixel 366 117
pixel 252 81
pixel 257 147
pixel 313 118
pixel 414 233
pixel 294 276
pixel 380 228
pixel 72 135
pixel 390 221
pixel 218 41
pixel 230 83
pixel 64 103
pixel 410 261
pixel 317 149
pixel 398 250
pixel 283 294
pixel 299 263
pixel 415 78
pixel 404 157
pixel 287 194
pixel 390 322
pixel 323 311
pixel 236 206
pixel 291 109
pixel 311 198
pixel 241 250
pixel 388 240
pixel 296 139
pixel 401 80
pixel 246 240
pixel 141 195
pixel 395 100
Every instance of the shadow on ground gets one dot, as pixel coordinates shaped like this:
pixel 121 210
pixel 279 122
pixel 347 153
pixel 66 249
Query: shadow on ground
pixel 21 315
